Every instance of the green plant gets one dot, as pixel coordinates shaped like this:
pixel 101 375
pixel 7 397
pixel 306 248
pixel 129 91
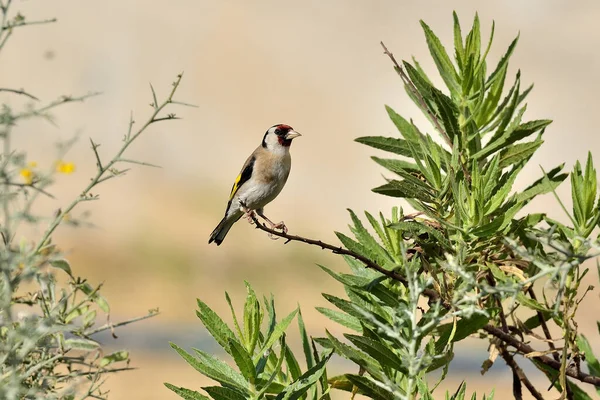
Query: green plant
pixel 471 255
pixel 264 370
pixel 49 315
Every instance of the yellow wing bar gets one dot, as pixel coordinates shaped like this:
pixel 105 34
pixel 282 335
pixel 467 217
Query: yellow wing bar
pixel 235 186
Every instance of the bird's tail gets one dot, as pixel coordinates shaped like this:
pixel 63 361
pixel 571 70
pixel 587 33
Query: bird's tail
pixel 221 230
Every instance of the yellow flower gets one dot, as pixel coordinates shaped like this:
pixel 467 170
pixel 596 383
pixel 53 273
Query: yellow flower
pixel 65 167
pixel 32 164
pixel 27 175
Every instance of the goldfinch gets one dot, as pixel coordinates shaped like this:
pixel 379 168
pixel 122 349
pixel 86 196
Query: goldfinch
pixel 262 177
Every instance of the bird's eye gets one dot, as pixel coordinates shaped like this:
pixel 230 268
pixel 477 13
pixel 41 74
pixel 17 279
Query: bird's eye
pixel 278 131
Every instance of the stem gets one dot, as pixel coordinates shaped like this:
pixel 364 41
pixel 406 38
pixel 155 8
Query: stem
pixel 103 169
pixel 432 294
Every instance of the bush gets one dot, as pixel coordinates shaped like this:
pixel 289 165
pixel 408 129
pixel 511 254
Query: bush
pixel 459 267
pixel 48 315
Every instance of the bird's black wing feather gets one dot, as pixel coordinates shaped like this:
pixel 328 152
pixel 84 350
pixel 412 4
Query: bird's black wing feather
pixel 242 178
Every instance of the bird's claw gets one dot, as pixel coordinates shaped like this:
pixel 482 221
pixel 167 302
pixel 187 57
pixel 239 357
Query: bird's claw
pixel 281 225
pixel 248 213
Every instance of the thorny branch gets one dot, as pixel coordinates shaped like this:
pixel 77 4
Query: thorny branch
pixel 433 295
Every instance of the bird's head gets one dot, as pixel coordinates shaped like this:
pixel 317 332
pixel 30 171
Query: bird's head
pixel 279 137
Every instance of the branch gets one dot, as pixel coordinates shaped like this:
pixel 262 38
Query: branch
pixel 108 167
pixel 411 86
pixel 518 372
pixel 543 324
pixel 19 91
pixel 432 294
pixel 110 326
pixel 550 362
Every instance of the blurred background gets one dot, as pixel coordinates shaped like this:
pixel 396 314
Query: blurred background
pixel 314 65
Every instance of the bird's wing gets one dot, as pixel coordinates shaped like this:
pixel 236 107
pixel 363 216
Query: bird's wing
pixel 244 175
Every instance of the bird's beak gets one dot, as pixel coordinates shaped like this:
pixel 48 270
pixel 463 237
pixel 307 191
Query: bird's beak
pixel 291 135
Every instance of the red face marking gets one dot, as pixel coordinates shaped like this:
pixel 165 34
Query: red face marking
pixel 284 142
pixel 285 127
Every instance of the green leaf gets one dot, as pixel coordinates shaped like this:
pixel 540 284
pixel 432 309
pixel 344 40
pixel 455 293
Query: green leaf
pixel 503 63
pixel 186 394
pixel 224 393
pixel 62 264
pixel 252 319
pixel 590 358
pixel 363 360
pixel 305 341
pixel 368 387
pixel 215 325
pixel 543 185
pixel 392 145
pixel 279 330
pixel 213 368
pixel 235 320
pixel 520 132
pixel 366 239
pixel 242 360
pixel 297 388
pixel 77 343
pixel 404 189
pixel 458 42
pixel 76 312
pixel 464 328
pixel 473 41
pixel 406 129
pixel 292 364
pixel 533 322
pixel 396 166
pixel 114 357
pixel 531 303
pixel 418 228
pixel 341 318
pixel 518 152
pixel 499 222
pixel 441 59
pixel 344 305
pixel 445 109
pixel 383 354
pixel 277 370
pixel 379 229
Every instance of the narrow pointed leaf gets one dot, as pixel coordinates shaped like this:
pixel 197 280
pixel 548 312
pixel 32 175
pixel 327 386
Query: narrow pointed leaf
pixel 186 394
pixel 215 325
pixel 441 59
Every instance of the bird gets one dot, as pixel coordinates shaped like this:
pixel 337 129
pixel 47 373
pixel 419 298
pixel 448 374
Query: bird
pixel 260 181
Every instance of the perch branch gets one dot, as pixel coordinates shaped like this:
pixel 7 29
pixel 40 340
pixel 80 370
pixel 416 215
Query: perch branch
pixel 432 294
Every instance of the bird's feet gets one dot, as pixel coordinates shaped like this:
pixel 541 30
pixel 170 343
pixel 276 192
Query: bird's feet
pixel 248 213
pixel 280 225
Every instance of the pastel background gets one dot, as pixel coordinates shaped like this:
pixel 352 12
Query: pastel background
pixel 314 65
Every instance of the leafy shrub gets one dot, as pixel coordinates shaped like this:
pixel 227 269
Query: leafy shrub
pixel 461 265
pixel 48 315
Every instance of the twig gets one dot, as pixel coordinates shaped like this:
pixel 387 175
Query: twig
pixel 19 91
pixel 119 324
pixel 411 86
pixel 99 177
pixel 510 361
pixel 544 325
pixel 432 294
pixel 525 349
pixel 413 89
